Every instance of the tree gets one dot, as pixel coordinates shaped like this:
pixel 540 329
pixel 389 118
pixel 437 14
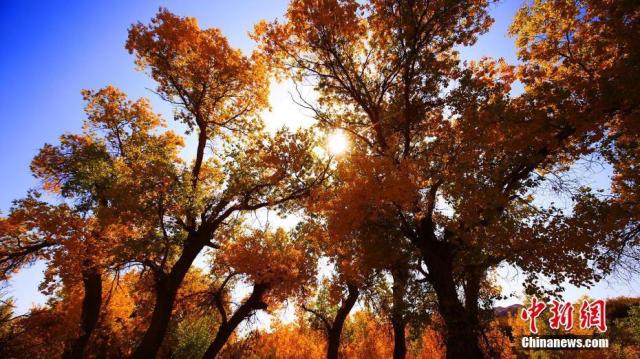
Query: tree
pixel 442 183
pixel 404 299
pixel 330 310
pixel 81 240
pixel 218 92
pixel 353 267
pixel 75 247
pixel 47 331
pixel 446 150
pixel 94 170
pixel 276 265
pixel 178 207
pixel 124 170
pixel 589 51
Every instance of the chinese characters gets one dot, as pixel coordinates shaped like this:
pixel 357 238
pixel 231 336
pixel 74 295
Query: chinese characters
pixel 591 315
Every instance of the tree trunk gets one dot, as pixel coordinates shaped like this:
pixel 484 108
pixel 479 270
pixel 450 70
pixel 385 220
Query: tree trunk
pixel 335 331
pixel 252 304
pixel 166 291
pixel 91 305
pixel 461 337
pixel 399 340
pixel 398 312
pixel 474 275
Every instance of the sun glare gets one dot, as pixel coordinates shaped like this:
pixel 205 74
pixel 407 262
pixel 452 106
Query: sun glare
pixel 337 143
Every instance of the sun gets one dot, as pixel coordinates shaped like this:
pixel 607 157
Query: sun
pixel 337 143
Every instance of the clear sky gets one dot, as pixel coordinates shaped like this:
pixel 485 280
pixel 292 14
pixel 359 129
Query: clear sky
pixel 53 49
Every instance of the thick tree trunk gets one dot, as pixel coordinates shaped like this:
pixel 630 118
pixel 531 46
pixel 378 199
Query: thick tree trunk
pixel 252 304
pixel 474 275
pixel 166 291
pixel 335 331
pixel 399 340
pixel 461 336
pixel 398 312
pixel 91 305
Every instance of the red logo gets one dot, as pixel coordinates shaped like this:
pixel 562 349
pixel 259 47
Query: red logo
pixel 562 314
pixel 532 313
pixel 592 315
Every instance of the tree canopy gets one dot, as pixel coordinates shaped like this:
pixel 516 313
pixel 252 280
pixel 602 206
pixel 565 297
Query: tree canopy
pixel 443 182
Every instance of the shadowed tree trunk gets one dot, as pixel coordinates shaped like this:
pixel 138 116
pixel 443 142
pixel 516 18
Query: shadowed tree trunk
pixel 461 337
pixel 334 327
pixel 167 286
pixel 399 340
pixel 400 276
pixel 226 328
pixel 474 275
pixel 334 331
pixel 91 305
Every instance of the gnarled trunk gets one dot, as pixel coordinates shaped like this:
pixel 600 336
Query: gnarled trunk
pixel 166 290
pixel 461 334
pixel 334 332
pixel 91 305
pixel 226 328
pixel 461 337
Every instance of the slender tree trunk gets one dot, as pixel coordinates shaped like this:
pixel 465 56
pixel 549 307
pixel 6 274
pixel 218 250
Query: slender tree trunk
pixel 398 312
pixel 252 304
pixel 166 291
pixel 91 305
pixel 335 331
pixel 461 336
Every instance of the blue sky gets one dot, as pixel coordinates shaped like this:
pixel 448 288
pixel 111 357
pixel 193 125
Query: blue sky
pixel 53 49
